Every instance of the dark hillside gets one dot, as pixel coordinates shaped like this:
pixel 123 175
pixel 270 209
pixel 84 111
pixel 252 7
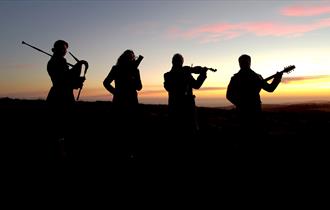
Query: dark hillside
pixel 297 142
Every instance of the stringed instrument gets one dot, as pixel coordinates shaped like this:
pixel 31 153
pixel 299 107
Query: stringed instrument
pixel 198 69
pixel 287 69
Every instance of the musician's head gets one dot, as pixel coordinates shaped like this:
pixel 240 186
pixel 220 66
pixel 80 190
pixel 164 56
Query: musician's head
pixel 60 47
pixel 127 57
pixel 177 60
pixel 244 61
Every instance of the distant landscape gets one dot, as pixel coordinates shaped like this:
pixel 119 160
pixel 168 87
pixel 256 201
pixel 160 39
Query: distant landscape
pixel 297 139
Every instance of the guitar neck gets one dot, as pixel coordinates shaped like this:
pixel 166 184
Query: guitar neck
pixel 285 70
pixel 271 77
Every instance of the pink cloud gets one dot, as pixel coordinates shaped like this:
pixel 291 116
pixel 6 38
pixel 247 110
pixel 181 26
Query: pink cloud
pixel 305 10
pixel 223 31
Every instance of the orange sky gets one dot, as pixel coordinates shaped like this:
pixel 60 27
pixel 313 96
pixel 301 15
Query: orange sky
pixel 209 33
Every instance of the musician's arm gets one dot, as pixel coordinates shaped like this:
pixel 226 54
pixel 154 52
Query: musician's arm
pixel 167 82
pixel 196 84
pixel 138 83
pixel 232 93
pixel 108 80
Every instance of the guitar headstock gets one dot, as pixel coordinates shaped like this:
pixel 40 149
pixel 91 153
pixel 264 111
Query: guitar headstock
pixel 288 69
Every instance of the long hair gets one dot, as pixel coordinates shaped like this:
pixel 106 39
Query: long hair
pixel 125 58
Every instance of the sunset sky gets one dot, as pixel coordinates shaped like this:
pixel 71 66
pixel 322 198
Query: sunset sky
pixel 213 33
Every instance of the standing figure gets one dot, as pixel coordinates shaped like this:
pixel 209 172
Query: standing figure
pixel 61 97
pixel 127 82
pixel 64 79
pixel 179 83
pixel 244 92
pixel 126 76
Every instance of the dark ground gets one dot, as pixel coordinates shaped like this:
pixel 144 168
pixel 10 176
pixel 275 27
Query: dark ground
pixel 295 152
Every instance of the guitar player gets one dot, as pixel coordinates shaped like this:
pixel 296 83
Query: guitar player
pixel 244 92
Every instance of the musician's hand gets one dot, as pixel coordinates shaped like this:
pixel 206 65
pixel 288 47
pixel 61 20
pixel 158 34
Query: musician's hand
pixel 203 70
pixel 278 75
pixel 79 83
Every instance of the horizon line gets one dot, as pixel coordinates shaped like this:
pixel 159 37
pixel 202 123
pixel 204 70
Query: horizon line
pixel 142 103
